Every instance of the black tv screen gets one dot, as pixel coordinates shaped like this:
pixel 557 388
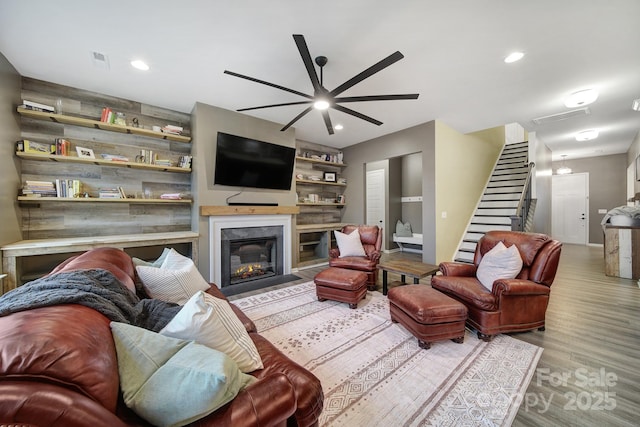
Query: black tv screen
pixel 244 162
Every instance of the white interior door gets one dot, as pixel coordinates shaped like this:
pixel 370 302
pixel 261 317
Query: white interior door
pixel 376 199
pixel 570 208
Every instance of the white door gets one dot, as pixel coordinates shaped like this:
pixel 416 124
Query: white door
pixel 631 179
pixel 376 199
pixel 570 208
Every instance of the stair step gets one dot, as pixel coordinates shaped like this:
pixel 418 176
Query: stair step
pixel 510 174
pixel 516 181
pixel 502 190
pixel 483 228
pixel 501 196
pixel 464 257
pixel 493 221
pixel 498 203
pixel 469 246
pixel 513 171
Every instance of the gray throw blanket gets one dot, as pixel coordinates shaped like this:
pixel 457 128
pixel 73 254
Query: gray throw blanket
pixel 97 289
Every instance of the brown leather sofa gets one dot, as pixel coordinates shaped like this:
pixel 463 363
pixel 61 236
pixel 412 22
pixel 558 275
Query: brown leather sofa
pixel 58 367
pixel 513 305
pixel 371 238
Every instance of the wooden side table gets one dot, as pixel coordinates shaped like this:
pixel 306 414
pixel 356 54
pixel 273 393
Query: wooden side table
pixel 405 267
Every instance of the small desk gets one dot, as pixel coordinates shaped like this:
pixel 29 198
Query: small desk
pixel 405 267
pixel 12 252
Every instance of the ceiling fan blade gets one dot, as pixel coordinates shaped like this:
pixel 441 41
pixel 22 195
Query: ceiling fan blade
pixel 377 98
pixel 253 79
pixel 275 105
pixel 356 114
pixel 327 121
pixel 296 118
pixel 391 59
pixel 308 63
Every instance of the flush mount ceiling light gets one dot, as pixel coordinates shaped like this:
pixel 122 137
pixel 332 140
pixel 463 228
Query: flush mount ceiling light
pixel 635 105
pixel 338 127
pixel 587 135
pixel 564 169
pixel 513 57
pixel 581 98
pixel 140 65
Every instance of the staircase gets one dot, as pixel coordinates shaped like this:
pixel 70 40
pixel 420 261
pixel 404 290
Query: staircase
pixel 500 200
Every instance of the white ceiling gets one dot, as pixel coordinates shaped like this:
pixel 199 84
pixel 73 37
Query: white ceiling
pixel 453 51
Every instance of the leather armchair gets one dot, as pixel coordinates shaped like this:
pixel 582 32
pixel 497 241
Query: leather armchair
pixel 513 305
pixel 371 238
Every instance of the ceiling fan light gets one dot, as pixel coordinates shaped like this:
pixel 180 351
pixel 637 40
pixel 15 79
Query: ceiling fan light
pixel 513 57
pixel 140 65
pixel 587 135
pixel 581 98
pixel 321 104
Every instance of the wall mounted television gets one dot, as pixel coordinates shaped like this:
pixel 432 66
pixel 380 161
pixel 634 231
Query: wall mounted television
pixel 244 162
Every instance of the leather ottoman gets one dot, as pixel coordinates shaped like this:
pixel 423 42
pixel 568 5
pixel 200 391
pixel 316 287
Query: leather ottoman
pixel 428 314
pixel 340 284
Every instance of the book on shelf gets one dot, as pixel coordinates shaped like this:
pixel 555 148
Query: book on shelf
pixel 110 193
pixel 185 162
pixel 68 188
pixel 115 157
pixel 63 147
pixel 36 106
pixel 39 189
pixel 28 146
pixel 108 115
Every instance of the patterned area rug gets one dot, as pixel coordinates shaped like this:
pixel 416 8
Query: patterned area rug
pixel 373 372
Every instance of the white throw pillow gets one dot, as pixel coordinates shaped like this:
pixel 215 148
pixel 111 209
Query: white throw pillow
pixel 211 321
pixel 349 244
pixel 499 263
pixel 176 280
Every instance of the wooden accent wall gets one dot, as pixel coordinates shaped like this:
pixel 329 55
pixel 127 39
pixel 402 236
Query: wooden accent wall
pixel 64 219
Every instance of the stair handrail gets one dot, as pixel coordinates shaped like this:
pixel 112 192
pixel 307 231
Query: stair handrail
pixel 517 221
pixel 525 190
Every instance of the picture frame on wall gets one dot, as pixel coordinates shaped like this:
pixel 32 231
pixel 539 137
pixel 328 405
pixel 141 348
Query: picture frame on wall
pixel 330 176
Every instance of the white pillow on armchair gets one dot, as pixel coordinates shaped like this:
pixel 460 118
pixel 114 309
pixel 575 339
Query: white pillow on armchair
pixel 349 244
pixel 499 263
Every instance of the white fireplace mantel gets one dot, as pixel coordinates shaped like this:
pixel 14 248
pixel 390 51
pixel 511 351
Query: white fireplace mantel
pixel 217 223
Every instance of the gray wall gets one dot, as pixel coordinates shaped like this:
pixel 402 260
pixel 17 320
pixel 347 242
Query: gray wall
pixel 542 173
pixel 412 186
pixel 206 121
pixel 607 187
pixel 10 84
pixel 418 139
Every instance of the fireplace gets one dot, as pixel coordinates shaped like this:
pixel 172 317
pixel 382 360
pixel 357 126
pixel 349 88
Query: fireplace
pixel 251 259
pixel 249 252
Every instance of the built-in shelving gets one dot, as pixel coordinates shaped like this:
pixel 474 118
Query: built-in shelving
pixel 81 121
pixel 102 162
pixel 99 200
pixel 320 162
pixel 312 182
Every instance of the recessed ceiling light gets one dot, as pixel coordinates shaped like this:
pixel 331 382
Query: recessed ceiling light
pixel 581 98
pixel 140 65
pixel 338 127
pixel 635 105
pixel 321 104
pixel 587 135
pixel 513 57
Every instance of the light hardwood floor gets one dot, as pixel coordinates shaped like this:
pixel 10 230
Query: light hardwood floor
pixel 589 373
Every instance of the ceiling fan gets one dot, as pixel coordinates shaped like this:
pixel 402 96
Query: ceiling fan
pixel 323 99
